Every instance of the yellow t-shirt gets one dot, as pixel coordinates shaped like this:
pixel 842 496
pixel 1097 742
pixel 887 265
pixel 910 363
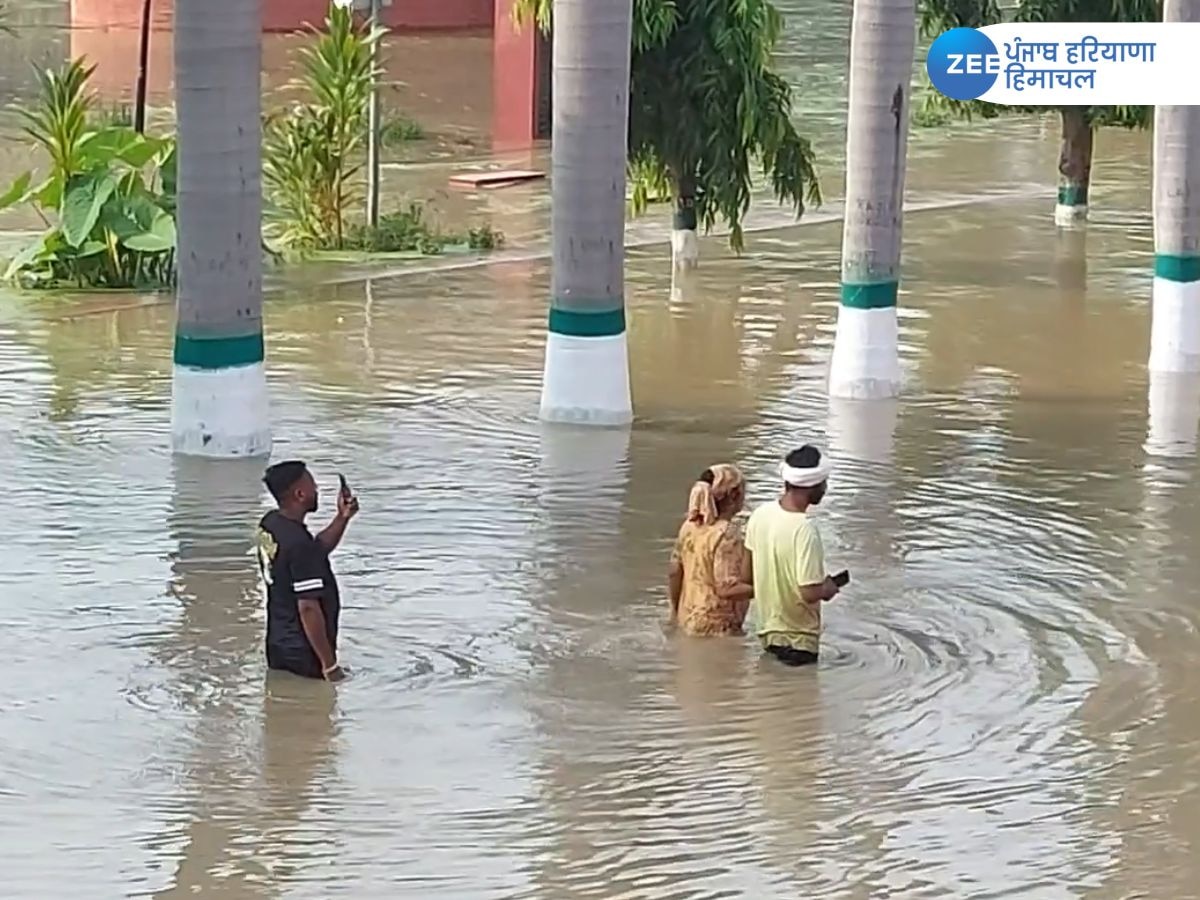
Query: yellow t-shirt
pixel 787 555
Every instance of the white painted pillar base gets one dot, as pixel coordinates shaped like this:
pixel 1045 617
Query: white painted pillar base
pixel 1070 216
pixel 1175 326
pixel 586 380
pixel 1174 403
pixel 685 249
pixel 220 413
pixel 866 361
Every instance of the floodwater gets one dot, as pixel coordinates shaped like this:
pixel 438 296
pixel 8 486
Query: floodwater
pixel 1003 702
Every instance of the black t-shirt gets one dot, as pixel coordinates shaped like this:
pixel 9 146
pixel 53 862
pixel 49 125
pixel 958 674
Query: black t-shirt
pixel 295 565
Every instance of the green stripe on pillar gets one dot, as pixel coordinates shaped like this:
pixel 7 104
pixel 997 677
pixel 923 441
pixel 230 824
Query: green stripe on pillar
pixel 881 295
pixel 1176 268
pixel 218 352
pixel 573 323
pixel 1072 195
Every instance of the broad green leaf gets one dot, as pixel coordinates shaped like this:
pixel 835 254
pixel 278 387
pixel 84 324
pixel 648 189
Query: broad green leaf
pixel 141 151
pixel 16 191
pixel 159 239
pixel 88 248
pixel 168 172
pixel 118 217
pixel 85 197
pixel 104 146
pixel 48 194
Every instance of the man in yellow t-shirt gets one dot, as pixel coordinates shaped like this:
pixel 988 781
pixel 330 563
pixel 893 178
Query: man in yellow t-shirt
pixel 790 582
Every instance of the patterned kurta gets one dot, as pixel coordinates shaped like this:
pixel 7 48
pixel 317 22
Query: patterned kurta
pixel 711 556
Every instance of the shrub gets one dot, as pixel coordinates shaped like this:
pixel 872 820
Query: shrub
pixel 408 230
pixel 313 151
pixel 108 202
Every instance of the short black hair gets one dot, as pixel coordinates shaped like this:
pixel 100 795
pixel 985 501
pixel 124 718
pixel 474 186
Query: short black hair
pixel 281 476
pixel 807 457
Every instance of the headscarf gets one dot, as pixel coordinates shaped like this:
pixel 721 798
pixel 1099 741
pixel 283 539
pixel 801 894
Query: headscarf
pixel 705 498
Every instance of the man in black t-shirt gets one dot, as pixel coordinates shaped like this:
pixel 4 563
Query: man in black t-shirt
pixel 303 604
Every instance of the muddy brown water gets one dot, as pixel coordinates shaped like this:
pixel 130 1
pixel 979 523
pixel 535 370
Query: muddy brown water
pixel 1002 708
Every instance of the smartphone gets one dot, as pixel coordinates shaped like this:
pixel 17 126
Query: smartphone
pixel 842 578
pixel 345 486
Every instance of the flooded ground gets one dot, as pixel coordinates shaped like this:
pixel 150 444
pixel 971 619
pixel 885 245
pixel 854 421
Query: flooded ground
pixel 1002 708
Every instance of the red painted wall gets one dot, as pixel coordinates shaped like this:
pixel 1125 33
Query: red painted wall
pixel 288 15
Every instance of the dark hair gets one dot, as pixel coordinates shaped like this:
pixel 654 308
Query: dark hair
pixel 281 476
pixel 707 476
pixel 807 457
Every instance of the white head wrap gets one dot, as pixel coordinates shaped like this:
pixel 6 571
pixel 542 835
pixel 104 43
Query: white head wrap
pixel 806 478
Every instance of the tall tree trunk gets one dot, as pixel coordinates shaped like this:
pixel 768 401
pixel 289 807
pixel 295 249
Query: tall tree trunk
pixel 1074 167
pixel 1175 333
pixel 586 377
pixel 866 362
pixel 219 406
pixel 685 243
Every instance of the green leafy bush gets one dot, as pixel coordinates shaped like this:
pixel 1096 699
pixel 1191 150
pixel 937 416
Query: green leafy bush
pixel 108 201
pixel 409 231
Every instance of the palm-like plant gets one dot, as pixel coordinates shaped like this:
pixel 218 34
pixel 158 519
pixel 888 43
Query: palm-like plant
pixel 1175 332
pixel 219 395
pixel 586 375
pixel 60 122
pixel 865 363
pixel 313 152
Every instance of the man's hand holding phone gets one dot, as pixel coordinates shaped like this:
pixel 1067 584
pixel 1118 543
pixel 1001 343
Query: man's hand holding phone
pixel 834 583
pixel 347 503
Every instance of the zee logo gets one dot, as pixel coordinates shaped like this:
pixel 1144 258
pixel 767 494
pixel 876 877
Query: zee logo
pixel 973 64
pixel 963 63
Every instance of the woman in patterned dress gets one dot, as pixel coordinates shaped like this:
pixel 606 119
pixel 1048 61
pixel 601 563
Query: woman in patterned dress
pixel 710 583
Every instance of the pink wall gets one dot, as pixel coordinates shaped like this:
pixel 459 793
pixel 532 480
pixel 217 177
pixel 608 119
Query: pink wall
pixel 106 32
pixel 516 87
pixel 288 15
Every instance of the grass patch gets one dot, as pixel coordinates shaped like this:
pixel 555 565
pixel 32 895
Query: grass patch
pixel 401 129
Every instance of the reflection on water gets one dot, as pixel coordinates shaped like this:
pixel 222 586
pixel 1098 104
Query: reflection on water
pixel 1004 703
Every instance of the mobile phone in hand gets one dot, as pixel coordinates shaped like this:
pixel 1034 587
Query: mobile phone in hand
pixel 345 487
pixel 842 578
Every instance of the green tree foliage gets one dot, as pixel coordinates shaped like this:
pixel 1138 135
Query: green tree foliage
pixel 706 108
pixel 108 201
